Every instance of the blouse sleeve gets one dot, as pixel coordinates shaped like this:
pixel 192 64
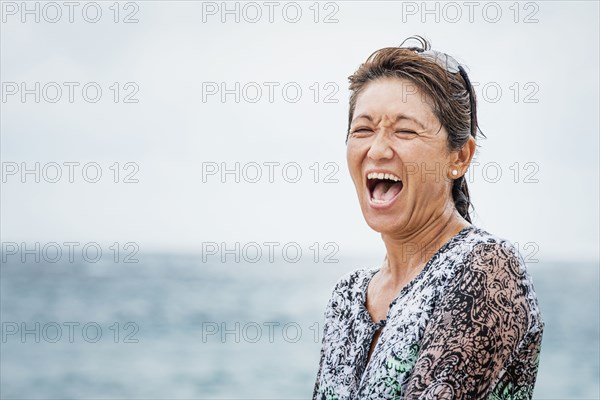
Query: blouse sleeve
pixel 332 313
pixel 326 326
pixel 479 322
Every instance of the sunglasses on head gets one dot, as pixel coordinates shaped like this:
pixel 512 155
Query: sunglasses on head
pixel 442 59
pixel 452 66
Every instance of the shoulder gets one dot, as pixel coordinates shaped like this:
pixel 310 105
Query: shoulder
pixel 478 240
pixel 350 287
pixel 494 254
pixel 351 283
pixel 482 247
pixel 494 270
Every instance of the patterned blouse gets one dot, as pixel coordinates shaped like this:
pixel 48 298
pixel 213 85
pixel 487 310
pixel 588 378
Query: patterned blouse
pixel 467 327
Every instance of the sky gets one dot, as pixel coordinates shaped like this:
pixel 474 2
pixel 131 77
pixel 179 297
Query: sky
pixel 173 126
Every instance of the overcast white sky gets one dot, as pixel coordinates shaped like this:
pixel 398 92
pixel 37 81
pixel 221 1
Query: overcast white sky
pixel 539 111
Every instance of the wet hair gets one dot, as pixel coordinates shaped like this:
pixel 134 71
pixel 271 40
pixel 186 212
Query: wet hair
pixel 449 90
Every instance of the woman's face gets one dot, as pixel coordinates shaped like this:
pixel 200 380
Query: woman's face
pixel 394 131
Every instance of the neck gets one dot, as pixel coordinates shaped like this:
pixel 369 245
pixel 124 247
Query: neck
pixel 408 253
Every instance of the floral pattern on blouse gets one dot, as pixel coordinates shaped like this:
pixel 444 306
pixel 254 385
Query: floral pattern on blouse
pixel 468 326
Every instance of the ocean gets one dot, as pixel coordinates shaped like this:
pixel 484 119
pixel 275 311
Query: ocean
pixel 174 327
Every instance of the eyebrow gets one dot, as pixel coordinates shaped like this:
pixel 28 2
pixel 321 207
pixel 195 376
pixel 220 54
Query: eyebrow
pixel 398 118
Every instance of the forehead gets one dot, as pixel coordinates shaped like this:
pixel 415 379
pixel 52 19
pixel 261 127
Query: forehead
pixel 385 98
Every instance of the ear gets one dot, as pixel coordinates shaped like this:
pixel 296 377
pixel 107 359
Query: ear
pixel 460 159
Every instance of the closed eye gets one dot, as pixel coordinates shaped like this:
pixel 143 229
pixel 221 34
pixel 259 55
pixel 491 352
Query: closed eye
pixel 408 132
pixel 361 132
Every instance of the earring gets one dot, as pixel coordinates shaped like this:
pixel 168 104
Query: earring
pixel 454 172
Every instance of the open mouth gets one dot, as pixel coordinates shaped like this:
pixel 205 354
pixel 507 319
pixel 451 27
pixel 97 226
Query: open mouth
pixel 383 187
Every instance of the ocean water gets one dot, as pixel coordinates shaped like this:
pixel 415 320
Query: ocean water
pixel 173 327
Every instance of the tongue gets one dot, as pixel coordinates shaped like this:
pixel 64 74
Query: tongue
pixel 385 190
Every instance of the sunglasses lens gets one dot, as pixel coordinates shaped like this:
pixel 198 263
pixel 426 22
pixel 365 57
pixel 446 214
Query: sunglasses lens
pixel 443 59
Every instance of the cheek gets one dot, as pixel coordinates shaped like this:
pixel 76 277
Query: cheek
pixel 437 176
pixel 354 156
pixel 430 166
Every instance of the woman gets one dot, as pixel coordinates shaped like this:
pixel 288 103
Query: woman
pixel 452 312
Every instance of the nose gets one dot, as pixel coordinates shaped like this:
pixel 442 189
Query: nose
pixel 380 147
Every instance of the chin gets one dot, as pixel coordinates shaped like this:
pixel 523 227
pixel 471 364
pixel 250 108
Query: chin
pixel 384 223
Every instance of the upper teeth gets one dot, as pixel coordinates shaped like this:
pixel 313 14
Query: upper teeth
pixel 381 175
